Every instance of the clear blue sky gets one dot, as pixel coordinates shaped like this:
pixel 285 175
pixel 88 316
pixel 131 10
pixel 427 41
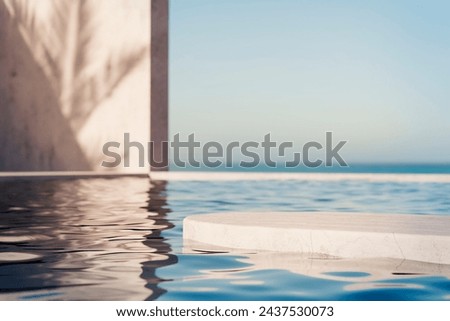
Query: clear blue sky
pixel 376 73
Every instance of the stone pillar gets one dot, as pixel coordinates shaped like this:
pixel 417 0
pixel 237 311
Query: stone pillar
pixel 159 83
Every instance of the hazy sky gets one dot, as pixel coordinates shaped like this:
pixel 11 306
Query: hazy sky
pixel 375 73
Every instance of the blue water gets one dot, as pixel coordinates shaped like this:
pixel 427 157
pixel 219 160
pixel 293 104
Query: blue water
pixel 121 239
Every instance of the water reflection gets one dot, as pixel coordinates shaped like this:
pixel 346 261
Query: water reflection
pixel 121 239
pixel 246 275
pixel 158 210
pixel 27 224
pixel 83 239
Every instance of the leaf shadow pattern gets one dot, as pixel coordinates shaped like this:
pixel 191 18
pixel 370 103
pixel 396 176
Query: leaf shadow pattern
pixel 64 54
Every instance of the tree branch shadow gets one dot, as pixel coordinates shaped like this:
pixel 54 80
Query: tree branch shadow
pixel 63 47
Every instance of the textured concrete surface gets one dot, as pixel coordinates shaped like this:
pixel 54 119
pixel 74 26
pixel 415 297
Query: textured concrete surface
pixel 237 176
pixel 348 235
pixel 159 83
pixel 73 76
pixel 8 176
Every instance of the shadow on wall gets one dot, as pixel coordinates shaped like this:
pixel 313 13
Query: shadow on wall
pixel 51 82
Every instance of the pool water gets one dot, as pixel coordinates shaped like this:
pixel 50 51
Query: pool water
pixel 121 239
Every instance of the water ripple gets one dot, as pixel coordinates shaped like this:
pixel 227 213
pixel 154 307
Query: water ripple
pixel 121 239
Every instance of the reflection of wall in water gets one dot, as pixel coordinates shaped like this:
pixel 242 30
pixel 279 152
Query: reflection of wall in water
pixel 27 221
pixel 90 237
pixel 158 209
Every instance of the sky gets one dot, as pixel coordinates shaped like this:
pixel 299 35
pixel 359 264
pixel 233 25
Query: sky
pixel 375 73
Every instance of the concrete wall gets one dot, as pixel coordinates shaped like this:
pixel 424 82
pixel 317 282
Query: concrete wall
pixel 74 75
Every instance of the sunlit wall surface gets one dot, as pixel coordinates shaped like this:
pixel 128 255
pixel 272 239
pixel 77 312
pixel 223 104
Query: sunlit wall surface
pixel 74 75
